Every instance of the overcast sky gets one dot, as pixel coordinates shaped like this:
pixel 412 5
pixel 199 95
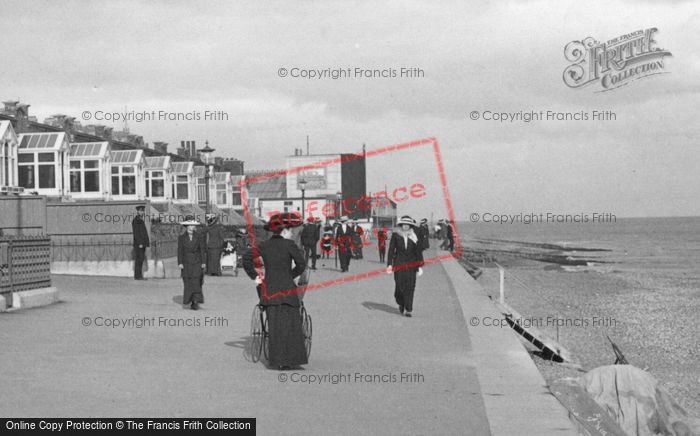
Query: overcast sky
pixel 69 57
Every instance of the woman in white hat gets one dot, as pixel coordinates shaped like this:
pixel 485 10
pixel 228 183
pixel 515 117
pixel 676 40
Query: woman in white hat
pixel 191 258
pixel 405 260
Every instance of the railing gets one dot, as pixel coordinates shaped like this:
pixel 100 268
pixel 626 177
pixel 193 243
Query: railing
pixel 25 263
pixel 91 249
pixel 162 249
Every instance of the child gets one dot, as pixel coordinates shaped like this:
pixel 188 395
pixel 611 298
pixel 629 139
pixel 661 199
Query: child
pixel 326 244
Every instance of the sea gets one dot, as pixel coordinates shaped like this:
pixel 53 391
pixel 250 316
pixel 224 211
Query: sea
pixel 665 246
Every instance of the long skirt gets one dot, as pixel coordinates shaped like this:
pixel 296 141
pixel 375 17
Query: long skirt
pixel 286 340
pixel 193 290
pixel 214 261
pixel 405 281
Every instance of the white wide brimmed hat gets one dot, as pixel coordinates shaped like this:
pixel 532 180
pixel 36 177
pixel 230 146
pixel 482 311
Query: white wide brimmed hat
pixel 189 221
pixel 406 220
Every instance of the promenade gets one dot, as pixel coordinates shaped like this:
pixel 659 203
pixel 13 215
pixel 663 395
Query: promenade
pixel 371 370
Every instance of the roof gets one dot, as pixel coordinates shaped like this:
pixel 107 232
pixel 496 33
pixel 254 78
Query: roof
pixel 126 156
pixel 89 149
pixel 236 181
pixel 157 162
pixel 51 141
pixel 199 171
pixel 222 177
pixel 274 187
pixel 4 127
pixel 182 167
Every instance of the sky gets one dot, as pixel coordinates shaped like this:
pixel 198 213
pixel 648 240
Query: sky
pixel 73 57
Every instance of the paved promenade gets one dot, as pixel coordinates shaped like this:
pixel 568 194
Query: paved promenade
pixel 394 375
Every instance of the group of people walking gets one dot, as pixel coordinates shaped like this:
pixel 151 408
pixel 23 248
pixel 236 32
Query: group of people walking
pixel 275 264
pixel 444 230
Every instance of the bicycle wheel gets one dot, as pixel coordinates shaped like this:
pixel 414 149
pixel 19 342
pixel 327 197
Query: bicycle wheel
pixel 265 339
pixel 256 333
pixel 307 329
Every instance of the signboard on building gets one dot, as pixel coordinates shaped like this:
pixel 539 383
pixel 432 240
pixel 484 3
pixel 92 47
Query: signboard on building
pixel 315 178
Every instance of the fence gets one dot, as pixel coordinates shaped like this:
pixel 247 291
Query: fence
pixel 25 263
pixel 102 248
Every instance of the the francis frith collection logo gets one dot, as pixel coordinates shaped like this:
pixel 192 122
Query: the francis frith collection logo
pixel 614 63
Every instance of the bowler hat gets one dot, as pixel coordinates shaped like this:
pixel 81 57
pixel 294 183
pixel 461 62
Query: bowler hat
pixel 140 207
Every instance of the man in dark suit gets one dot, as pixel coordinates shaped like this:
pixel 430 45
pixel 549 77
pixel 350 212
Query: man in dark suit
pixel 280 296
pixel 141 241
pixel 310 235
pixel 344 243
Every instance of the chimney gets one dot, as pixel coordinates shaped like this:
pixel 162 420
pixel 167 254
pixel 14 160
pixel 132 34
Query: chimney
pixel 160 147
pixel 10 108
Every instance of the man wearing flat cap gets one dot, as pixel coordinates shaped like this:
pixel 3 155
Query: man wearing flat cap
pixel 141 241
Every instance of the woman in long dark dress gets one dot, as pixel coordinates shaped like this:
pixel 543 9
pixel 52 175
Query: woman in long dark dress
pixel 405 260
pixel 279 292
pixel 191 258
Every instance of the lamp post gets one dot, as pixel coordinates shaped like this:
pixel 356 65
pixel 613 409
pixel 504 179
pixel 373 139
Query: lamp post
pixel 206 153
pixel 339 209
pixel 302 186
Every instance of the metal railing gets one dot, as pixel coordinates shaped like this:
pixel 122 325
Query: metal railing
pixel 25 263
pixel 91 249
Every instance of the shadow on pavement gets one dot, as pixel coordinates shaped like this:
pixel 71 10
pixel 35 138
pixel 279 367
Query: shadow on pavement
pixel 245 344
pixel 380 306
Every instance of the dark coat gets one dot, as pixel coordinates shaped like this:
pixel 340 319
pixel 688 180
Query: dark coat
pixel 344 240
pixel 138 227
pixel 310 234
pixel 381 239
pixel 191 254
pixel 215 236
pixel 423 234
pixel 277 254
pixel 399 254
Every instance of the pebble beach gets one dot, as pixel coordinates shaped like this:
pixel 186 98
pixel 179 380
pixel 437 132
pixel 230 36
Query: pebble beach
pixel 651 317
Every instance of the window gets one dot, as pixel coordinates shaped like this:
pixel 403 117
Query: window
pixel 41 170
pixel 84 176
pixel 181 187
pixel 201 188
pixel 236 199
pixel 26 176
pixel 123 180
pixel 155 184
pixel 221 193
